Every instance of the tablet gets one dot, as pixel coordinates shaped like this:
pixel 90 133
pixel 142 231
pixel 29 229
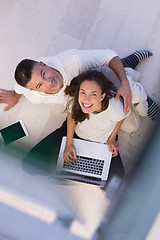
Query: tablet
pixel 13 132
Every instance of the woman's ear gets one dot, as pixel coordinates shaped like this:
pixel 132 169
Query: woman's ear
pixel 103 96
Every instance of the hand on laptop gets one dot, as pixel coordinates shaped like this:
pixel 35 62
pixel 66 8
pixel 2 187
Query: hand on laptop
pixel 113 147
pixel 69 154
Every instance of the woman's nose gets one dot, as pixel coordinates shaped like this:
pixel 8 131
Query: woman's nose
pixel 87 98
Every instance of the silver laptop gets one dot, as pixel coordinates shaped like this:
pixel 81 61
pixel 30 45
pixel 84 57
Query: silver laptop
pixel 92 164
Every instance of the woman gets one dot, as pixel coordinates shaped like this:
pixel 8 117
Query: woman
pixel 95 115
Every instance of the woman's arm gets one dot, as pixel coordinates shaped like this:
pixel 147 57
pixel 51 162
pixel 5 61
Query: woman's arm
pixel 111 143
pixel 70 151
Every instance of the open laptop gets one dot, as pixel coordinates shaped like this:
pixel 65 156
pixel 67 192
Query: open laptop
pixel 92 164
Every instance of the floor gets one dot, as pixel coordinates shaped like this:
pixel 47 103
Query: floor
pixel 31 29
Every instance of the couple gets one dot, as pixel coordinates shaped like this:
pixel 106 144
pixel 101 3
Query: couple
pixel 93 112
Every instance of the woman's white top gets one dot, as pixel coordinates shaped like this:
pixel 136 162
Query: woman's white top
pixel 99 126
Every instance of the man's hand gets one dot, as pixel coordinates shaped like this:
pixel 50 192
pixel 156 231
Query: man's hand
pixel 9 97
pixel 125 91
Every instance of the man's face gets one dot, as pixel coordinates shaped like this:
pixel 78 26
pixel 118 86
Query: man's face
pixel 45 79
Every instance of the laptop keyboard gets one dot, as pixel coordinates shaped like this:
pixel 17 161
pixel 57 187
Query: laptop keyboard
pixel 86 165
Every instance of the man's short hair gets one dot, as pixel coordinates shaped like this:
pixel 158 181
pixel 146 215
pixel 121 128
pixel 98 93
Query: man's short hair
pixel 23 71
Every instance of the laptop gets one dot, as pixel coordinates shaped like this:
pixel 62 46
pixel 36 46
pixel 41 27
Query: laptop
pixel 92 164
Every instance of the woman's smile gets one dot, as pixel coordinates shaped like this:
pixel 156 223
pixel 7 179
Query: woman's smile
pixel 87 105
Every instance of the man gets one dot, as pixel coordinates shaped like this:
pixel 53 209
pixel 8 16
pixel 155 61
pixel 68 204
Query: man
pixel 45 81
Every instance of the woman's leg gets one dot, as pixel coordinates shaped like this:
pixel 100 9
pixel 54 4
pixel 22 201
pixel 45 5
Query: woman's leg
pixel 116 168
pixel 135 58
pixel 116 173
pixel 43 157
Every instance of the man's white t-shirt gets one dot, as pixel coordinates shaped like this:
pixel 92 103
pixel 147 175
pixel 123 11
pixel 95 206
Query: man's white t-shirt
pixel 69 63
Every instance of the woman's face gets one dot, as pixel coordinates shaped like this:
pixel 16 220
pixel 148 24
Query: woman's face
pixel 90 96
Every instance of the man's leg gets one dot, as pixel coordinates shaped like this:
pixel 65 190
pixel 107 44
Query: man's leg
pixel 153 110
pixel 135 58
pixel 132 61
pixel 42 158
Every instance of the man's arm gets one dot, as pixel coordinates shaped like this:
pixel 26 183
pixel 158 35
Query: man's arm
pixel 96 58
pixel 124 90
pixel 9 97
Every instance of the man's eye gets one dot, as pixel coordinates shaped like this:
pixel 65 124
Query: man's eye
pixel 94 94
pixel 39 86
pixel 43 74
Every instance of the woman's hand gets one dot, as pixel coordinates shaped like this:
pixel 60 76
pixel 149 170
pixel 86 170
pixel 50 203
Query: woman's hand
pixel 113 147
pixel 69 153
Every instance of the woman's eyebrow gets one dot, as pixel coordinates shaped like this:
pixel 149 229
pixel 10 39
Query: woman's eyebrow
pixel 94 91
